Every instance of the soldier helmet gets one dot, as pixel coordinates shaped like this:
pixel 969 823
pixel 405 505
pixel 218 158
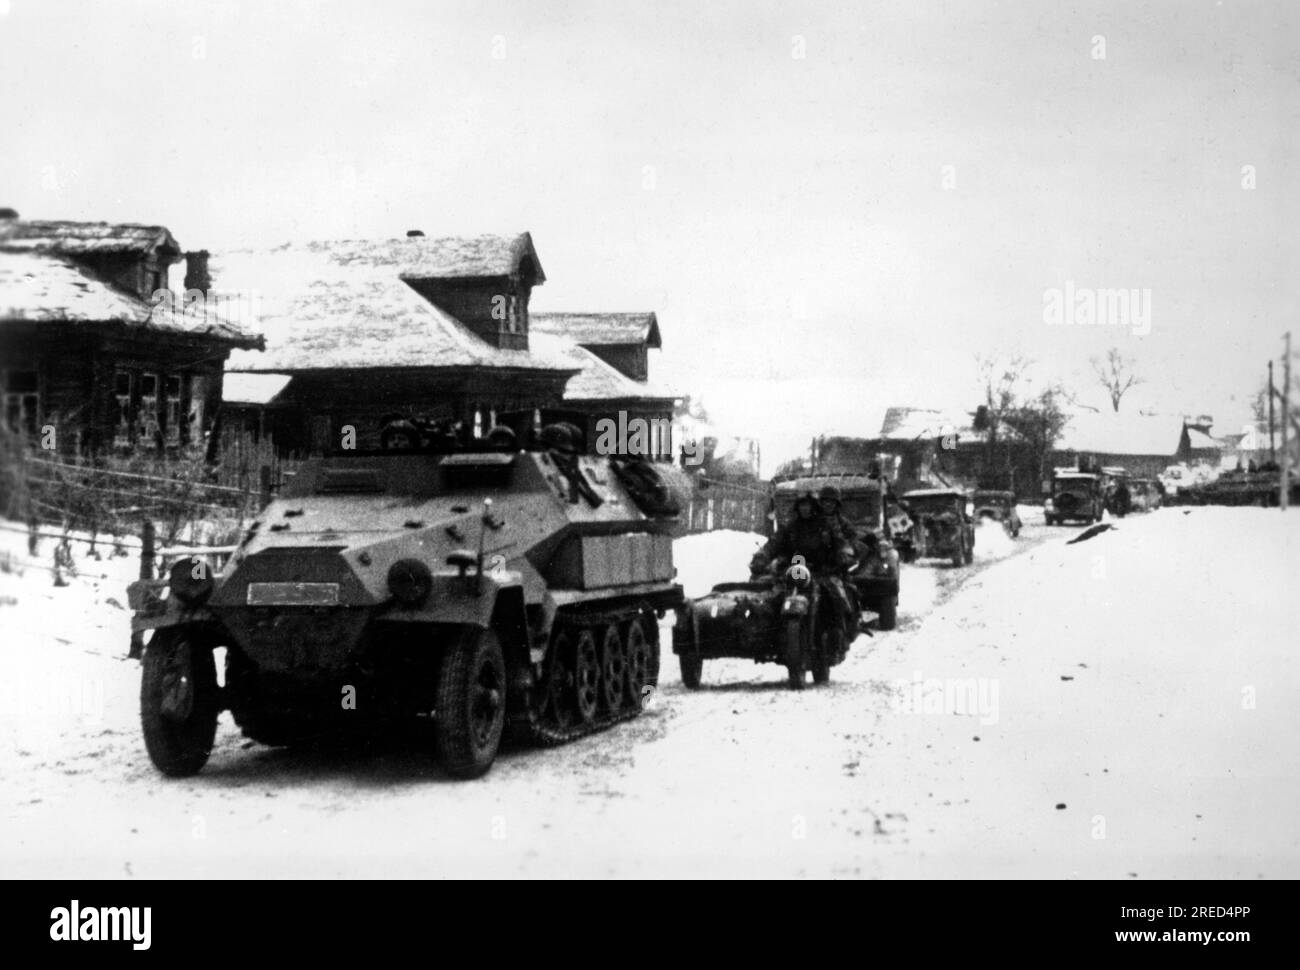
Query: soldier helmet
pixel 562 437
pixel 828 494
pixel 503 438
pixel 399 433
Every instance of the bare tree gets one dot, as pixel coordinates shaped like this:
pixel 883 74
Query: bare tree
pixel 1115 373
pixel 1001 380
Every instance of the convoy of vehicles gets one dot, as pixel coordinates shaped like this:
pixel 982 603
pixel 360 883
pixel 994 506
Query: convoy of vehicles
pixel 492 587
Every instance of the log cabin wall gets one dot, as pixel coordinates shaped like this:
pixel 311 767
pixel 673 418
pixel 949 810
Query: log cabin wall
pixel 104 389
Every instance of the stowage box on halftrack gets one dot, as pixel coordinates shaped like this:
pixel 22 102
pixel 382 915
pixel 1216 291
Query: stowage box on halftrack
pixel 481 588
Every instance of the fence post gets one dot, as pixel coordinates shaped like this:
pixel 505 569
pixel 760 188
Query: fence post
pixel 146 572
pixel 264 486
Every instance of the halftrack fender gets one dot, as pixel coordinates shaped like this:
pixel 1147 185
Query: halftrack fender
pixel 150 611
pixel 463 600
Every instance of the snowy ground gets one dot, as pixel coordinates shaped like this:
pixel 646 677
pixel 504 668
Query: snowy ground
pixel 1115 708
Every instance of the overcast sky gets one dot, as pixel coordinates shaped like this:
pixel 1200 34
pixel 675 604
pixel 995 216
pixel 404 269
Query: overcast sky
pixel 831 206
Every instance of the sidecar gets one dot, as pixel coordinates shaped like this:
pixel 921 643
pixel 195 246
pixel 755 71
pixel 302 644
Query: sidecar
pixel 765 620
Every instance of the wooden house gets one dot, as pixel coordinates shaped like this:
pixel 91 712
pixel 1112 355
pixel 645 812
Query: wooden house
pixel 429 328
pixel 96 354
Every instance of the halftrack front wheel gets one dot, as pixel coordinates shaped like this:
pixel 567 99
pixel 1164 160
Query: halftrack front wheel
pixel 179 702
pixel 471 704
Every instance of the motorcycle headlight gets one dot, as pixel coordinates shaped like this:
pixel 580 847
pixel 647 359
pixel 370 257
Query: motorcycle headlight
pixel 190 580
pixel 410 581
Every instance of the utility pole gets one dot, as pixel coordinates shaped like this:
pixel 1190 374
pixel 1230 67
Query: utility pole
pixel 1271 392
pixel 1285 463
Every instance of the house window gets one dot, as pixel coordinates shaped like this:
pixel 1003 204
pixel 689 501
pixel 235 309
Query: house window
pixel 147 430
pixel 172 409
pixel 513 323
pixel 122 403
pixel 22 401
pixel 194 419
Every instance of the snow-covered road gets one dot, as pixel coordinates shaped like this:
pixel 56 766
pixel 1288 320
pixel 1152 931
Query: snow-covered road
pixel 1120 707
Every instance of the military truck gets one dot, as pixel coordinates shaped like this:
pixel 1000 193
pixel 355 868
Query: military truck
pixel 998 506
pixel 943 527
pixel 477 589
pixel 1074 495
pixel 863 502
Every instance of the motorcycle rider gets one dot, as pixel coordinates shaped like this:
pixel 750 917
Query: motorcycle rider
pixel 825 548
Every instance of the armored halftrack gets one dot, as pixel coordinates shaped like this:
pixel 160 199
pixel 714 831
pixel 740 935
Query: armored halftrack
pixel 482 589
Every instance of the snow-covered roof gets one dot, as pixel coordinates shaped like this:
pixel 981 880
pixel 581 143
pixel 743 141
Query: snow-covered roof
pixel 426 257
pixel 911 424
pixel 348 305
pixel 48 287
pixel 595 379
pixel 599 329
pixel 85 238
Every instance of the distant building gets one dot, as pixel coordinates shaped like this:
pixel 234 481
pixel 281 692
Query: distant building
pixel 91 349
pixel 914 447
pixel 1144 444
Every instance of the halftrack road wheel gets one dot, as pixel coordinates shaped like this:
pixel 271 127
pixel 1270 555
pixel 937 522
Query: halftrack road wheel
pixel 471 703
pixel 613 669
pixel 638 662
pixel 587 680
pixel 179 702
pixel 558 707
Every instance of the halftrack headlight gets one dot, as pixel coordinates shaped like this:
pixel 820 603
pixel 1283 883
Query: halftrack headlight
pixel 410 581
pixel 190 580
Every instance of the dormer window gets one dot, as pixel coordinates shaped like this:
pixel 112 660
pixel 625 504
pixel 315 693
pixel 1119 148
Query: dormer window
pixel 514 322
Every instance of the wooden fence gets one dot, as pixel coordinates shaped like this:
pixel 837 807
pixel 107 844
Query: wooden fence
pixel 722 505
